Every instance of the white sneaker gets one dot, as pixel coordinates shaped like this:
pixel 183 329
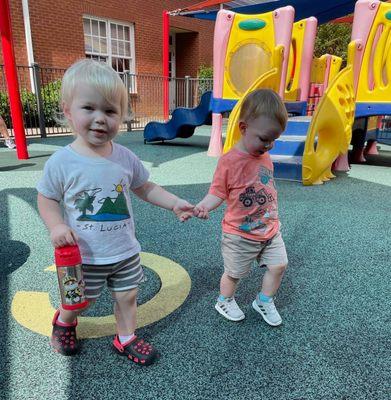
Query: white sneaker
pixel 229 309
pixel 10 143
pixel 268 311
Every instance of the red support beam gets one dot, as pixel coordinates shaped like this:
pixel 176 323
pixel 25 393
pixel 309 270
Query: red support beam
pixel 12 80
pixel 166 49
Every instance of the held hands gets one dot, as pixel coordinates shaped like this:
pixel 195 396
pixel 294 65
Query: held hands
pixel 201 211
pixel 183 210
pixel 62 235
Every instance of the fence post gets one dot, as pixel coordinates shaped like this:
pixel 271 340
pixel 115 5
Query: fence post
pixel 187 91
pixel 130 112
pixel 38 95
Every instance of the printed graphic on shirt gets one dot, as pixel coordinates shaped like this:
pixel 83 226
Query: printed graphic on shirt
pixel 254 221
pixel 111 209
pixel 251 196
pixel 257 201
pixel 266 176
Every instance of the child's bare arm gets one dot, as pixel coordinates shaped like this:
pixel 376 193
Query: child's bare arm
pixel 60 233
pixel 208 203
pixel 158 196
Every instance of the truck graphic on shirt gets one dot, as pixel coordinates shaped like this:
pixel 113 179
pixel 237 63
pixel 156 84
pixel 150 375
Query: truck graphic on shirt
pixel 249 196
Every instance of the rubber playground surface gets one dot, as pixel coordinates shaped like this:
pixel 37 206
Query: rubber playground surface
pixel 334 342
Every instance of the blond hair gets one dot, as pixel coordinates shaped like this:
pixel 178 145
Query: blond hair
pixel 263 102
pixel 101 77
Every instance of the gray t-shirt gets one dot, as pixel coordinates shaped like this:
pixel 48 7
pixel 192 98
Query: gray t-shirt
pixel 95 196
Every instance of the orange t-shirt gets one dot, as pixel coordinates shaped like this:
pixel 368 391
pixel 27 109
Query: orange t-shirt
pixel 246 183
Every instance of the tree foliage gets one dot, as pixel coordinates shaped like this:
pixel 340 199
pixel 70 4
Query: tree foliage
pixel 333 39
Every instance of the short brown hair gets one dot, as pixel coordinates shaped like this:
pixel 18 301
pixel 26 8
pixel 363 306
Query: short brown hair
pixel 263 102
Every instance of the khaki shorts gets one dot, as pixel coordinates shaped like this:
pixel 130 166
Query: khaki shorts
pixel 240 253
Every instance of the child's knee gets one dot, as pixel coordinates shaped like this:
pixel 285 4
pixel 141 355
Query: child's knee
pixel 126 297
pixel 278 269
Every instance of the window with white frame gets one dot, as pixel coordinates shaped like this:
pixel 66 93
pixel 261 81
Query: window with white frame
pixel 110 41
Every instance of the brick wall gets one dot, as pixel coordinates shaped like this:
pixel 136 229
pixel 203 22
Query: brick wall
pixel 57 32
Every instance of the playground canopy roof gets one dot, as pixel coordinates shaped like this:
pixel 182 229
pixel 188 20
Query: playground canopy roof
pixel 323 10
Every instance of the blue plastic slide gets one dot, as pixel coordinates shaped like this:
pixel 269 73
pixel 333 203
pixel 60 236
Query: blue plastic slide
pixel 182 123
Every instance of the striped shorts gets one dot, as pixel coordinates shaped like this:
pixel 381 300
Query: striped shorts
pixel 121 276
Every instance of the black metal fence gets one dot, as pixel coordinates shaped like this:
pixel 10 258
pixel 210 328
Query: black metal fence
pixel 40 94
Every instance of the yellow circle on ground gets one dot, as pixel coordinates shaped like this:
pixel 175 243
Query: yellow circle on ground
pixel 34 311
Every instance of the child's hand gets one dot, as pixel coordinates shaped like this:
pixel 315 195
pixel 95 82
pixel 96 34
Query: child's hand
pixel 183 210
pixel 62 235
pixel 201 211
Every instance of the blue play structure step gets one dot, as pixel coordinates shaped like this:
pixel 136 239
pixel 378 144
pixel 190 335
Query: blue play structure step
pixel 297 126
pixel 287 167
pixel 287 153
pixel 289 145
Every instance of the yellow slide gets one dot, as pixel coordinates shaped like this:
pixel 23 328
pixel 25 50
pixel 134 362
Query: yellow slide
pixel 330 130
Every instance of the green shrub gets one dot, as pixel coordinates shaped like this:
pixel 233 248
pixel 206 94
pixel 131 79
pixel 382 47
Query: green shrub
pixel 51 102
pixel 30 109
pixel 333 39
pixel 205 79
pixel 50 98
pixel 4 108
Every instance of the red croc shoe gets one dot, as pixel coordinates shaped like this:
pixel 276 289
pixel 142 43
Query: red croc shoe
pixel 136 350
pixel 64 339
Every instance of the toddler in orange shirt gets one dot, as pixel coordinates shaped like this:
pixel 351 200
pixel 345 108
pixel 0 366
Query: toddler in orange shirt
pixel 251 227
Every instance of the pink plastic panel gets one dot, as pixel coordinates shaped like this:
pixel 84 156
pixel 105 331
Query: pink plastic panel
pixel 283 22
pixel 221 35
pixel 364 15
pixel 306 59
pixel 215 148
pixel 329 58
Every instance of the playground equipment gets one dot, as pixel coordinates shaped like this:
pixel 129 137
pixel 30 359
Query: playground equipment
pixel 372 69
pixel 251 52
pixel 182 122
pixel 323 70
pixel 241 41
pixel 308 157
pixel 308 147
pixel 300 58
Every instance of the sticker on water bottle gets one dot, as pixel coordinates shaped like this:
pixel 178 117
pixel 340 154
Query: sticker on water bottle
pixel 72 290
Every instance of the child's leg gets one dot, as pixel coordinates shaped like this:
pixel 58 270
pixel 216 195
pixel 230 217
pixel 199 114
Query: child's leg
pixel 3 129
pixel 69 316
pixel 272 279
pixel 264 303
pixel 274 257
pixel 123 283
pixel 63 338
pixel 228 285
pixel 238 254
pixel 125 311
pixel 226 304
pixel 126 342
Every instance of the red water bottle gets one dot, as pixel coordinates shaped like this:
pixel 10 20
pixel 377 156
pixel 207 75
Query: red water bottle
pixel 70 277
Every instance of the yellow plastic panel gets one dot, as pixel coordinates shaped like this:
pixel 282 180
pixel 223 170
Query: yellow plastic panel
pixel 249 54
pixel 376 60
pixel 292 91
pixel 318 69
pixel 335 67
pixel 269 80
pixel 330 130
